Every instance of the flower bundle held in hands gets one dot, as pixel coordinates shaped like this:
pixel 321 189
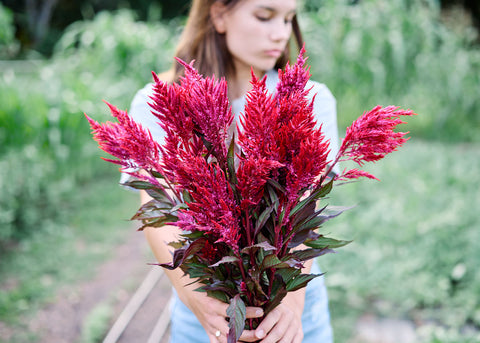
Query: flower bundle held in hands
pixel 248 213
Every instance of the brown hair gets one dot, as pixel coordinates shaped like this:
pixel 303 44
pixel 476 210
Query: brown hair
pixel 202 43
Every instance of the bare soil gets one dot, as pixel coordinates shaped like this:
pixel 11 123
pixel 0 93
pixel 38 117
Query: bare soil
pixel 63 319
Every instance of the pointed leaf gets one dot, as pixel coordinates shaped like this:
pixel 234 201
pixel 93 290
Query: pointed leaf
pixel 262 245
pixel 156 174
pixel 182 254
pixel 288 274
pixel 326 242
pixel 270 261
pixel 307 254
pixel 137 184
pixel 317 194
pixel 226 259
pixel 263 219
pixel 300 281
pixel 237 313
pixel 231 161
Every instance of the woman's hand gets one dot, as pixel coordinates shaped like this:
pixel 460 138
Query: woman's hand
pixel 211 313
pixel 283 324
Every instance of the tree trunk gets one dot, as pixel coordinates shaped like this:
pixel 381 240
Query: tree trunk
pixel 39 14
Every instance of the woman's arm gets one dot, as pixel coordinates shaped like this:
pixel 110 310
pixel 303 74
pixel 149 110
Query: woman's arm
pixel 210 312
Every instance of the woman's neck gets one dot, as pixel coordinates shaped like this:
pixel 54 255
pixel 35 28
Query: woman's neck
pixel 240 84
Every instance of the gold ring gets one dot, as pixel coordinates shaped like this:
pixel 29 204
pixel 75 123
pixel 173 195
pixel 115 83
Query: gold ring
pixel 217 333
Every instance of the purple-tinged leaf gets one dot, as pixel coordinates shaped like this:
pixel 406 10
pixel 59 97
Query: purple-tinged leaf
pixel 182 254
pixel 307 254
pixel 263 245
pixel 237 312
pixel 225 259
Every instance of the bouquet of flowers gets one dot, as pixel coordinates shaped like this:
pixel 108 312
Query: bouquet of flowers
pixel 247 205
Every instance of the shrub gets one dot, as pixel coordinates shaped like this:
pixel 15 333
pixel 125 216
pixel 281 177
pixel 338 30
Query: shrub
pixel 46 147
pixel 398 52
pixel 8 44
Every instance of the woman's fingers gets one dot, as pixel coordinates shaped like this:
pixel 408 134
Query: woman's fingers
pixel 280 325
pixel 254 312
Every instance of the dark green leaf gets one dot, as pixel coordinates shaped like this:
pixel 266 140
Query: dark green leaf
pixel 317 194
pixel 186 197
pixel 231 161
pixel 158 194
pixel 218 295
pixel 182 254
pixel 304 213
pixel 237 312
pixel 326 242
pixel 300 281
pixel 263 219
pixel 287 274
pixel 274 201
pixel 137 184
pixel 156 174
pixel 276 185
pixel 270 261
pixel 307 254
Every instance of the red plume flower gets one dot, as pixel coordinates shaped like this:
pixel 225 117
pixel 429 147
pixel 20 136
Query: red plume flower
pixel 129 142
pixel 371 137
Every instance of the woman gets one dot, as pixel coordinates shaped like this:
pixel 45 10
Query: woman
pixel 228 38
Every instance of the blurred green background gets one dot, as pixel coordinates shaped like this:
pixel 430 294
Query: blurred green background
pixel 416 247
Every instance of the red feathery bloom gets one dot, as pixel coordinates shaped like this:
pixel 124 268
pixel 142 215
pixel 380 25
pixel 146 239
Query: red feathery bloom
pixel 371 136
pixel 295 77
pixel 258 123
pixel 252 175
pixel 354 174
pixel 213 208
pixel 126 140
pixel 206 102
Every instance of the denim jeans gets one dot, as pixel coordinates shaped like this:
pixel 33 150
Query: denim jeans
pixel 316 326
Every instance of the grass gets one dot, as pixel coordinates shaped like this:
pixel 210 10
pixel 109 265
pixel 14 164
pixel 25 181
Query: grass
pixel 65 252
pixel 415 248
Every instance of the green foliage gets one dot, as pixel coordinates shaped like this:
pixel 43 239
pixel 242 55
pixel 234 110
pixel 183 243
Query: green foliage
pixel 97 323
pixel 46 147
pixel 62 252
pixel 118 46
pixel 397 52
pixel 415 248
pixel 8 44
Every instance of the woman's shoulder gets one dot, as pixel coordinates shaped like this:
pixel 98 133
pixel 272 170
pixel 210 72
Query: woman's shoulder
pixel 147 90
pixel 320 91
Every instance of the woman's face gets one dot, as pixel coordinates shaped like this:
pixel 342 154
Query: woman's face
pixel 256 32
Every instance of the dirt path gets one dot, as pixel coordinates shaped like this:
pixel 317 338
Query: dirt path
pixel 114 283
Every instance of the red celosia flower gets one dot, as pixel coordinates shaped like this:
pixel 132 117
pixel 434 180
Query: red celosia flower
pixel 196 109
pixel 128 141
pixel 213 208
pixel 252 175
pixel 258 124
pixel 354 174
pixel 294 78
pixel 371 137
